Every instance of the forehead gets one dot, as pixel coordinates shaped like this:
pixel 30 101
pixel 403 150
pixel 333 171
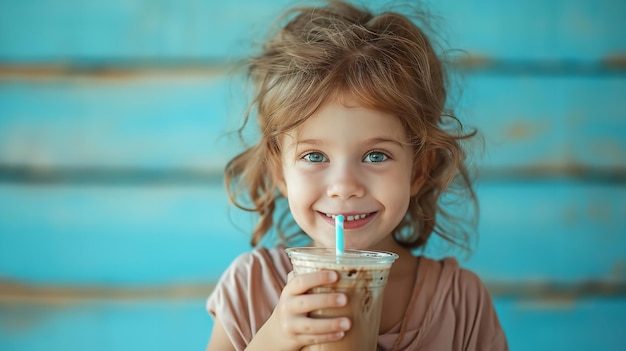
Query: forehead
pixel 347 120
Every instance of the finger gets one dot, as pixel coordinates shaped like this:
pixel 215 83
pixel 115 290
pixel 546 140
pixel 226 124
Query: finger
pixel 304 327
pixel 303 304
pixel 302 283
pixel 313 339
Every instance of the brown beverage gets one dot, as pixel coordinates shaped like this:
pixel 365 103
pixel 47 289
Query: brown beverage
pixel 362 277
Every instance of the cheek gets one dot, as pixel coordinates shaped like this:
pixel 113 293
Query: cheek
pixel 396 192
pixel 298 191
pixel 399 200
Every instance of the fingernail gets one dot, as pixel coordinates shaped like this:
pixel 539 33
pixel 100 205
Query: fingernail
pixel 344 324
pixel 341 300
pixel 332 275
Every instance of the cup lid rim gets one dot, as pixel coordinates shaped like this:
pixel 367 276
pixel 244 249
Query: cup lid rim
pixel 349 256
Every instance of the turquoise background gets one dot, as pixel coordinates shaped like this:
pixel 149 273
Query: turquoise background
pixel 114 121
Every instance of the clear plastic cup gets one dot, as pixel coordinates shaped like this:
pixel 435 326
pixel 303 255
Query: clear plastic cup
pixel 362 277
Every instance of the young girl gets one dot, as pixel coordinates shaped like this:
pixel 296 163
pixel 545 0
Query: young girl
pixel 351 112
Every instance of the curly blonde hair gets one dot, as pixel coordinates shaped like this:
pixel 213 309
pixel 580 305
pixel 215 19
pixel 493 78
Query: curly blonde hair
pixel 386 63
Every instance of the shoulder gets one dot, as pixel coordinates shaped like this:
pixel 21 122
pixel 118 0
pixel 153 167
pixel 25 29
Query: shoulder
pixel 260 263
pixel 462 291
pixel 450 274
pixel 468 281
pixel 258 255
pixel 251 285
pixel 456 287
pixel 247 292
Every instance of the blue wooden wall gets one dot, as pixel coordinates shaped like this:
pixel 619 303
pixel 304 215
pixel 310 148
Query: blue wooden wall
pixel 113 119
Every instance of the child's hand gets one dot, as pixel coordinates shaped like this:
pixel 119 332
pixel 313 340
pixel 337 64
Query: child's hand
pixel 290 328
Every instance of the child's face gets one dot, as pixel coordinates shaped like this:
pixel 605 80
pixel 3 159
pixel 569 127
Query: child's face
pixel 351 161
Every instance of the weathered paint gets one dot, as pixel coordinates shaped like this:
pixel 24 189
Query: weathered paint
pixel 187 122
pixel 122 235
pixel 149 324
pixel 75 30
pixel 114 223
pixel 156 324
pixel 535 231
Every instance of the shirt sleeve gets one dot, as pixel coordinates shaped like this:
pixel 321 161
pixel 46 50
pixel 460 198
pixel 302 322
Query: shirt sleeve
pixel 224 302
pixel 482 329
pixel 246 294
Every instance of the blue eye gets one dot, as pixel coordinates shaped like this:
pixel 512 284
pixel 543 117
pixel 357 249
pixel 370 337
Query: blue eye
pixel 315 157
pixel 375 156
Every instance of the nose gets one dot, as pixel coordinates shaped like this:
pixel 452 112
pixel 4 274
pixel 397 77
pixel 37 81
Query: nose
pixel 345 181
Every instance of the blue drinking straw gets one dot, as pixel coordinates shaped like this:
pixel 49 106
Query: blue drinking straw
pixel 339 235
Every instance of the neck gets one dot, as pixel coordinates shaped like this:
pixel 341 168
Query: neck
pixel 406 262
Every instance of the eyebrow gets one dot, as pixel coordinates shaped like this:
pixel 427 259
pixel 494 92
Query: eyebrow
pixel 308 142
pixel 315 142
pixel 385 140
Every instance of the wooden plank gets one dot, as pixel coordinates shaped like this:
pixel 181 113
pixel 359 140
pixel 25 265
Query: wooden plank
pixel 584 324
pixel 536 232
pixel 154 123
pixel 542 123
pixel 548 122
pixel 164 30
pixel 168 30
pixel 551 231
pixel 555 31
pixel 119 235
pixel 171 324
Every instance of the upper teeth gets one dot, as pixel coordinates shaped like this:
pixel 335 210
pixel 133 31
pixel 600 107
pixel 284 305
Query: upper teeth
pixel 349 218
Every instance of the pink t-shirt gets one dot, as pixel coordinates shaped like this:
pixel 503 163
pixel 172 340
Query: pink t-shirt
pixel 450 308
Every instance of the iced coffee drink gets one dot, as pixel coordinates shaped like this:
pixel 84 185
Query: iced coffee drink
pixel 362 277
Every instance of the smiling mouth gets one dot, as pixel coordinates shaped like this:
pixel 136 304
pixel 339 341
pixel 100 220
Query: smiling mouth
pixel 351 217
